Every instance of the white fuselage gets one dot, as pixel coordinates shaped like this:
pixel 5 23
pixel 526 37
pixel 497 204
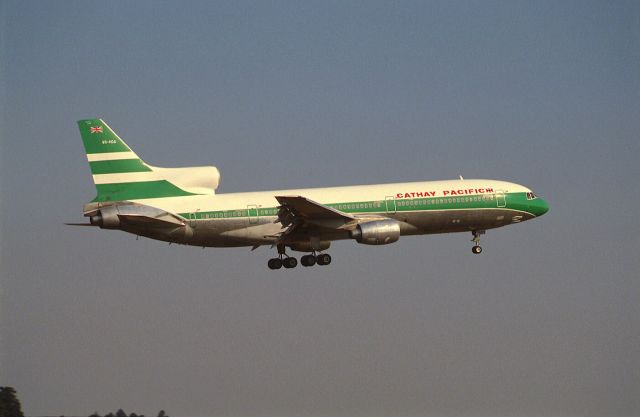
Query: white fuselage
pixel 249 219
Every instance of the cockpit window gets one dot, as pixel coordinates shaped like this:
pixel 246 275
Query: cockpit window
pixel 531 196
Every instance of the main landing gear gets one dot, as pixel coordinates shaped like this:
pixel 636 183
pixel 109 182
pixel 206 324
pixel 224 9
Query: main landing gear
pixel 277 263
pixel 476 239
pixel 290 262
pixel 313 259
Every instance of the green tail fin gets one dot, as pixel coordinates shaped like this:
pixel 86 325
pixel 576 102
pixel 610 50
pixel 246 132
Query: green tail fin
pixel 118 173
pixel 98 137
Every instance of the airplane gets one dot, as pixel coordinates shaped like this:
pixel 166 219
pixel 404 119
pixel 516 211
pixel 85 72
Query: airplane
pixel 180 205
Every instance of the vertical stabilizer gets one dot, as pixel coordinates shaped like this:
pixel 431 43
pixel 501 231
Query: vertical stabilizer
pixel 120 175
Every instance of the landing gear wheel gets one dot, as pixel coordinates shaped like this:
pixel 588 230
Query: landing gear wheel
pixel 308 260
pixel 323 259
pixel 476 239
pixel 290 263
pixel 275 263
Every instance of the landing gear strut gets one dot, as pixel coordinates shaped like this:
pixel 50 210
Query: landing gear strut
pixel 476 239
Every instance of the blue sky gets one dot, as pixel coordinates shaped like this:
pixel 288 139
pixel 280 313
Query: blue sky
pixel 312 94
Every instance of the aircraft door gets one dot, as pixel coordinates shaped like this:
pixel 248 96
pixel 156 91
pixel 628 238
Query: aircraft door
pixel 501 200
pixel 252 213
pixel 192 218
pixel 390 203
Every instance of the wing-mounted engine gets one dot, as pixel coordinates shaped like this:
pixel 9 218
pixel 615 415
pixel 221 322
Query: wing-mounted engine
pixel 141 220
pixel 377 232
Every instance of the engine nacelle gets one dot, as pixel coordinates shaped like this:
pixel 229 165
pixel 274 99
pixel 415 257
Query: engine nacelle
pixel 377 232
pixel 143 220
pixel 106 218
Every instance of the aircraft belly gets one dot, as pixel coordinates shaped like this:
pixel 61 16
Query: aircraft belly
pixel 219 233
pixel 449 221
pixel 234 232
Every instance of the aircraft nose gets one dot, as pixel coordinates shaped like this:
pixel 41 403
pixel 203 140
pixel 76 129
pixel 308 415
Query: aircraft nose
pixel 539 207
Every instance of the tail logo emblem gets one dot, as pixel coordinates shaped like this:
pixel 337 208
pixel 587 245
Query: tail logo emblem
pixel 95 129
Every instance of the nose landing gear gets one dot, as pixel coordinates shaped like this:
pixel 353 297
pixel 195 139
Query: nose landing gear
pixel 477 249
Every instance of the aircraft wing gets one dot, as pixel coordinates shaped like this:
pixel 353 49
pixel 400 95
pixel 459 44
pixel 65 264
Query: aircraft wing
pixel 300 215
pixel 303 208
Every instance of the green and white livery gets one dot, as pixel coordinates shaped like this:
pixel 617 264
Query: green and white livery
pixel 180 205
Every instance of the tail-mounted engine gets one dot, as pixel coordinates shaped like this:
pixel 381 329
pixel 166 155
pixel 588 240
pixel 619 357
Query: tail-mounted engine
pixel 377 232
pixel 142 220
pixel 106 218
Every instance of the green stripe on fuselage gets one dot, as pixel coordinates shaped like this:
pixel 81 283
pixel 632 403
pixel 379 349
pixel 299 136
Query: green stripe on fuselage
pixel 118 166
pixel 514 201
